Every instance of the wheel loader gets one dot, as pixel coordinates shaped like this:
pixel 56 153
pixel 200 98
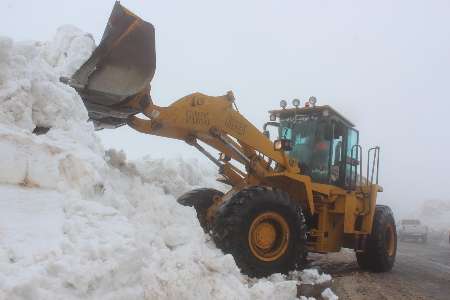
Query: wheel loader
pixel 302 191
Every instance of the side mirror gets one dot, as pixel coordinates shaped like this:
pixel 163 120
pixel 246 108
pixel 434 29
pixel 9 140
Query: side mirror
pixel 282 145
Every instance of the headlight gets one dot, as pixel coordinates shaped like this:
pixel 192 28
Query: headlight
pixel 224 157
pixel 296 102
pixel 283 104
pixel 278 145
pixel 282 144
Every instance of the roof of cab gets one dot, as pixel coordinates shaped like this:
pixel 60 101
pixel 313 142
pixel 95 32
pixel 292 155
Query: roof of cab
pixel 280 113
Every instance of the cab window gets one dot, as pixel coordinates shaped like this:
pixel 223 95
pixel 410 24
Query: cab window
pixel 352 159
pixel 337 153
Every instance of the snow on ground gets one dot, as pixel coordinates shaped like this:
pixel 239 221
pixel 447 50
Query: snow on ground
pixel 328 294
pixel 79 222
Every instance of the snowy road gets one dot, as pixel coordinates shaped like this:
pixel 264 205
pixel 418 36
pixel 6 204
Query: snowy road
pixel 420 272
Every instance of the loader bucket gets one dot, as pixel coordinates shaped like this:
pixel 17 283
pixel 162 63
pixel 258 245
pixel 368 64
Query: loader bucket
pixel 119 71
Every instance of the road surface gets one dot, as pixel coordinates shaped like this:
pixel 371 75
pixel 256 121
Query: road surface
pixel 421 271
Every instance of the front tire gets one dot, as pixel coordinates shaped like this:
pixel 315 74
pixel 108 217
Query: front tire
pixel 381 245
pixel 201 200
pixel 263 229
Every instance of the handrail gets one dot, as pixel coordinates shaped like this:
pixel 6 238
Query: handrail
pixel 375 162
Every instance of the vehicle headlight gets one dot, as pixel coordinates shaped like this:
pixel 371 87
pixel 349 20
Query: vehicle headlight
pixel 278 145
pixel 282 145
pixel 224 157
pixel 312 100
pixel 273 117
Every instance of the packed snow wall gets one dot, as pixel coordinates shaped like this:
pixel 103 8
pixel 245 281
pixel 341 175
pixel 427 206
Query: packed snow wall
pixel 79 222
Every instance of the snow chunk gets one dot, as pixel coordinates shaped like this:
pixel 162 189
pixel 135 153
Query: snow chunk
pixel 311 276
pixel 68 50
pixel 328 294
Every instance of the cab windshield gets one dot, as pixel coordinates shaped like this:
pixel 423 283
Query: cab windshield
pixel 311 147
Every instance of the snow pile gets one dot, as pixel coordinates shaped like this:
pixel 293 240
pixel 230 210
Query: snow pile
pixel 30 92
pixel 31 96
pixel 77 222
pixel 180 175
pixel 436 214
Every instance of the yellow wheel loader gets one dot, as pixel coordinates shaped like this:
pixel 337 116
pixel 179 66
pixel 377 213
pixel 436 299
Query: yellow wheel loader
pixel 303 192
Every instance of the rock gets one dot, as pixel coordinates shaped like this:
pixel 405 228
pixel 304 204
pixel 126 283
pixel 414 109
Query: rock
pixel 313 290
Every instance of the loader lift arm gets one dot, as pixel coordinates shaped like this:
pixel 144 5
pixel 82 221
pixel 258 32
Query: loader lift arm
pixel 215 122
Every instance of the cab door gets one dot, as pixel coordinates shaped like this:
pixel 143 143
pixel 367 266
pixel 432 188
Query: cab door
pixel 353 158
pixel 337 161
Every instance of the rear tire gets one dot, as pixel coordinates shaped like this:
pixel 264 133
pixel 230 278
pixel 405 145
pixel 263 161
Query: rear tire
pixel 263 229
pixel 381 245
pixel 201 200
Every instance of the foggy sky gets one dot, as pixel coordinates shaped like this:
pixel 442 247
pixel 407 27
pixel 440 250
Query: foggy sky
pixel 385 65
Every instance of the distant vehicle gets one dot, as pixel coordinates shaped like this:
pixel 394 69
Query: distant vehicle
pixel 414 230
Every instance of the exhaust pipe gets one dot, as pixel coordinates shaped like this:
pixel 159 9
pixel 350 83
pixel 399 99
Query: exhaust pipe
pixel 114 82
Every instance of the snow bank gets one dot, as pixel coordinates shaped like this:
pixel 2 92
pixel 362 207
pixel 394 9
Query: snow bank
pixel 180 175
pixel 30 93
pixel 436 214
pixel 77 222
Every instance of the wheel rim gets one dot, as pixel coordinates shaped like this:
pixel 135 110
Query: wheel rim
pixel 390 240
pixel 268 236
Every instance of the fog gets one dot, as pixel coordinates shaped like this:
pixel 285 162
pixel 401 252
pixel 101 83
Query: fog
pixel 385 65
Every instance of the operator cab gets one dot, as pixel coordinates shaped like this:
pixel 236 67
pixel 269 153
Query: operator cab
pixel 323 142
